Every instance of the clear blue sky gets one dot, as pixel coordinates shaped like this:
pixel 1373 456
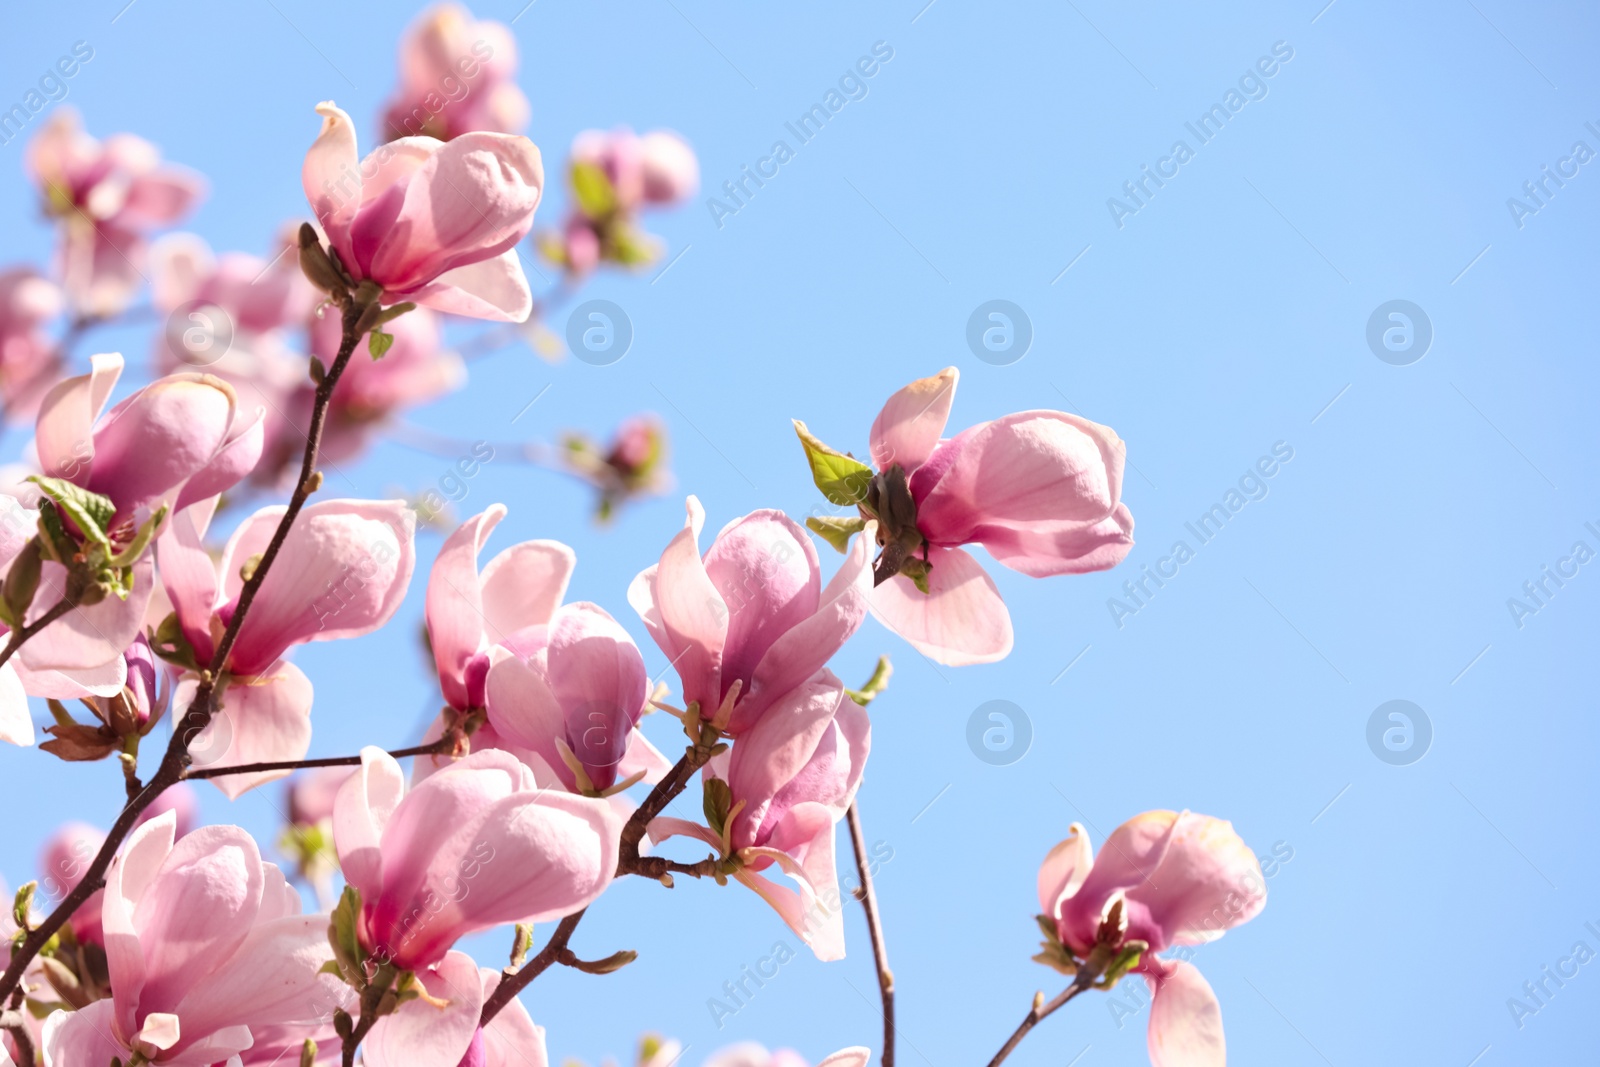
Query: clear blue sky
pixel 1228 314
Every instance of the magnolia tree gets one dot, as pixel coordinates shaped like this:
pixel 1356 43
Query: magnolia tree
pixel 534 790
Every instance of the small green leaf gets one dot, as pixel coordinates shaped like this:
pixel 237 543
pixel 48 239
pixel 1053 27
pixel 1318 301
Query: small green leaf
pixel 835 530
pixel 135 548
pixel 342 935
pixel 378 343
pixel 22 581
pixel 917 571
pixel 716 800
pixel 91 512
pixel 875 685
pixel 308 1053
pixel 22 904
pixel 843 479
pixel 521 943
pixel 596 196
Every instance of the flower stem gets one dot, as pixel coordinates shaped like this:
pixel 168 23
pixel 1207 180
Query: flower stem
pixel 880 952
pixel 435 748
pixel 21 635
pixel 1039 1013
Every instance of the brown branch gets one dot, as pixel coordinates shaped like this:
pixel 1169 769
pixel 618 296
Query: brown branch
pixel 19 1030
pixel 629 862
pixel 21 635
pixel 176 760
pixel 1040 1012
pixel 880 952
pixel 444 744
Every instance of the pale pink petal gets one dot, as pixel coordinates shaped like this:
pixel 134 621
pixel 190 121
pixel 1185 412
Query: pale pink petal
pixel 161 198
pixel 105 680
pixel 854 1056
pixel 665 827
pixel 342 571
pixel 803 848
pixel 86 637
pixel 765 571
pixel 1185 1019
pixel 1129 862
pixel 455 603
pixel 1064 869
pixel 1209 882
pixel 332 176
pixel 153 442
pixel 232 462
pixel 780 744
pixel 189 574
pixel 1041 550
pixel 179 264
pixel 127 880
pixel 524 711
pixel 911 423
pixel 83 1036
pixel 523 586
pixel 685 613
pixel 262 719
pixel 422 1035
pixel 495 289
pixel 961 620
pixel 643 756
pixel 361 810
pixel 599 679
pixel 513 1039
pixel 811 642
pixel 64 435
pixel 16 725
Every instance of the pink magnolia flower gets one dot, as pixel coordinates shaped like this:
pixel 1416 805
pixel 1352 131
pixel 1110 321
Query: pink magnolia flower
pixel 106 196
pixel 177 440
pixel 257 295
pixel 430 222
pixel 571 694
pixel 791 778
pixel 457 75
pixel 342 571
pixel 474 846
pixel 1183 880
pixel 310 794
pixel 749 625
pixel 205 945
pixel 66 856
pixel 754 1054
pixel 415 371
pixel 1040 490
pixel 658 169
pixel 632 464
pixel 511 1040
pixel 28 360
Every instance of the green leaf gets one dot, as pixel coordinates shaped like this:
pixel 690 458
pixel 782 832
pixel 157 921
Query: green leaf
pixel 917 571
pixel 378 343
pixel 597 198
pixel 835 530
pixel 308 1053
pixel 875 685
pixel 843 479
pixel 90 511
pixel 520 944
pixel 716 800
pixel 22 904
pixel 135 548
pixel 630 247
pixel 342 935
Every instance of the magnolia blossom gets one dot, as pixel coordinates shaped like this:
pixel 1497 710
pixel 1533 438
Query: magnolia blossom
pixel 474 846
pixel 125 715
pixel 257 295
pixel 749 625
pixel 457 75
pixel 1039 490
pixel 206 946
pixel 176 441
pixel 791 778
pixel 62 863
pixel 341 572
pixel 416 370
pixel 512 1039
pixel 430 222
pixel 615 174
pixel 28 359
pixel 1182 879
pixel 106 196
pixel 632 464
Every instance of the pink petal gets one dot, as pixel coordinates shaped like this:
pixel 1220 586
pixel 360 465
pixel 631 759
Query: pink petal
pixel 960 620
pixel 16 724
pixel 523 586
pixel 643 756
pixel 455 603
pixel 524 711
pixel 685 613
pixel 82 1036
pixel 342 571
pixel 421 1035
pixel 331 177
pixel 599 679
pixel 911 423
pixel 86 637
pixel 807 645
pixel 778 747
pixel 855 1056
pixel 196 912
pixel 263 719
pixel 1064 869
pixel 1031 467
pixel 161 198
pixel 105 680
pixel 231 463
pixel 189 573
pixel 1041 550
pixel 128 879
pixel 361 810
pixel 153 442
pixel 765 571
pixel 803 849
pixel 512 1040
pixel 495 289
pixel 1185 1019
pixel 1209 882
pixel 64 435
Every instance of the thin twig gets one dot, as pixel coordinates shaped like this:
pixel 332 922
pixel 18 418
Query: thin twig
pixel 1039 1014
pixel 880 952
pixel 203 706
pixel 513 983
pixel 19 1031
pixel 21 635
pixel 444 744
